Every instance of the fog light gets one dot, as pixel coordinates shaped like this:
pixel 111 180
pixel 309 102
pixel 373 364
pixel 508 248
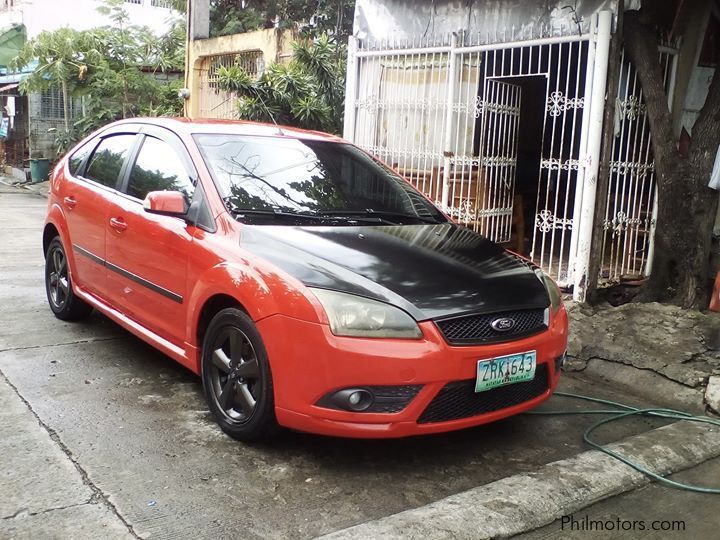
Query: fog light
pixel 370 399
pixel 353 399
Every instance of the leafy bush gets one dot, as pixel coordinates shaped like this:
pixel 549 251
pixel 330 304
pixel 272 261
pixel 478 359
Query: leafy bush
pixel 308 92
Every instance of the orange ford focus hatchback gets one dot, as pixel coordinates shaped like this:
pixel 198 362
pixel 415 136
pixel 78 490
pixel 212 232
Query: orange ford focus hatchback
pixel 309 285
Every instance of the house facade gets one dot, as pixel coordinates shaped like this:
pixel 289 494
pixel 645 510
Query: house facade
pixel 494 109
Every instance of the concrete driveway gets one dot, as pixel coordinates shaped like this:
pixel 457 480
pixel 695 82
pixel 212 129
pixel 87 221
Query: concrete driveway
pixel 116 431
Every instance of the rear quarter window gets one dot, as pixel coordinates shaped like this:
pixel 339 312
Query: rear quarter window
pixel 107 160
pixel 79 156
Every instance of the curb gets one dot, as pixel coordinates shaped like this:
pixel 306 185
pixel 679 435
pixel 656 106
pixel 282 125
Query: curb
pixel 26 187
pixel 525 502
pixel 645 383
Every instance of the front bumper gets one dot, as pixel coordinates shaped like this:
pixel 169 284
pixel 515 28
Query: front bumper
pixel 308 361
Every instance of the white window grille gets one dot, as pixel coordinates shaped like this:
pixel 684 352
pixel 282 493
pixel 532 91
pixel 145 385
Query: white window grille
pixel 138 2
pixel 215 102
pixel 167 4
pixel 51 104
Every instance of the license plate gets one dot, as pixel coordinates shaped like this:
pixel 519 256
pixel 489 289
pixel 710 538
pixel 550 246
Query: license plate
pixel 503 370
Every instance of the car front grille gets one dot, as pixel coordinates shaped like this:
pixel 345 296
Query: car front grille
pixel 477 329
pixel 458 399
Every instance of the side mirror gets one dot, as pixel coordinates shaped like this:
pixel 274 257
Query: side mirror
pixel 166 203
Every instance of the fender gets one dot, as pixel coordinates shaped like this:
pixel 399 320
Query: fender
pixel 261 293
pixel 56 218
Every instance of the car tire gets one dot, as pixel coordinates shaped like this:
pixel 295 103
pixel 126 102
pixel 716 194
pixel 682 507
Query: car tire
pixel 63 302
pixel 236 377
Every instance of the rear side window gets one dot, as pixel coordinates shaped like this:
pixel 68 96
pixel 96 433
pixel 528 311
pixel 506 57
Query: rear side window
pixel 159 168
pixel 107 160
pixel 78 157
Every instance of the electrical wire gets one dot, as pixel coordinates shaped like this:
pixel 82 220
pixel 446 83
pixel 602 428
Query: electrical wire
pixel 620 412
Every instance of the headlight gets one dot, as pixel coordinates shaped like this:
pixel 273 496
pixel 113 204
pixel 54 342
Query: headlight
pixel 352 315
pixel 552 290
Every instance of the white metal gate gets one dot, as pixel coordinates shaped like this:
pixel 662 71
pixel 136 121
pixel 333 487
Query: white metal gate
pixel 446 115
pixel 498 148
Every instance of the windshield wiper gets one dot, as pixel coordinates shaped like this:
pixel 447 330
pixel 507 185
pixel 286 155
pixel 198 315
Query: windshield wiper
pixel 378 214
pixel 327 218
pixel 282 215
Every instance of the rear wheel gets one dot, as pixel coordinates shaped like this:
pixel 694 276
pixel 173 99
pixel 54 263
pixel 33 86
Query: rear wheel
pixel 63 302
pixel 236 377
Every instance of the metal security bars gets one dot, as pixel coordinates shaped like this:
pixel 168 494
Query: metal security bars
pixel 495 186
pixel 631 208
pixel 400 109
pixel 447 115
pixel 215 102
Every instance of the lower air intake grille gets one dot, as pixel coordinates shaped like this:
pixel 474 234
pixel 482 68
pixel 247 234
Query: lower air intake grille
pixel 459 400
pixel 475 329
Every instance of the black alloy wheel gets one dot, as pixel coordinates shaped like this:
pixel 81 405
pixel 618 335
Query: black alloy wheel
pixel 237 378
pixel 63 302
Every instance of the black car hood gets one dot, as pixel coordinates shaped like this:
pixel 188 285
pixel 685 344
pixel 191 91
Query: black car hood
pixel 430 271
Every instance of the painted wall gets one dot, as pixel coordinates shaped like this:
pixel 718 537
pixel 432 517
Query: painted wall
pixel 275 45
pixel 403 19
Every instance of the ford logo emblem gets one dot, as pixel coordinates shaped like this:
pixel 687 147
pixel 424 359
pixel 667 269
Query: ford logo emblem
pixel 504 324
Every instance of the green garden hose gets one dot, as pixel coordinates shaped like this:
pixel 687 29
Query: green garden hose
pixel 624 411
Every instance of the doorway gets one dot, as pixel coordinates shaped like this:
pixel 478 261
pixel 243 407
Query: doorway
pixel 528 153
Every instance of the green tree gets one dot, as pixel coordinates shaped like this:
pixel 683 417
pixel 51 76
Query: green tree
pixel 308 92
pixel 115 68
pixel 331 17
pixel 686 206
pixel 64 58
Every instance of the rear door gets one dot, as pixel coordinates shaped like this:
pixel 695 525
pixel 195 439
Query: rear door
pixel 95 172
pixel 147 253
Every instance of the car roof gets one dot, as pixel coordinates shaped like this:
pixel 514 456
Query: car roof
pixel 237 127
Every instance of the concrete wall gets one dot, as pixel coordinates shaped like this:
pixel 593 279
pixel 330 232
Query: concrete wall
pixel 43 128
pixel 276 46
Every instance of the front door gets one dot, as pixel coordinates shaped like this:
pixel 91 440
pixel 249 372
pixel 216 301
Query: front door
pixel 147 253
pixel 85 199
pixel 498 153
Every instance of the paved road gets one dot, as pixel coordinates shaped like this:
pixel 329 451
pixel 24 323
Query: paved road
pixel 118 431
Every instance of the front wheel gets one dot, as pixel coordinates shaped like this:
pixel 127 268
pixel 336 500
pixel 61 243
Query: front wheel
pixel 236 377
pixel 63 302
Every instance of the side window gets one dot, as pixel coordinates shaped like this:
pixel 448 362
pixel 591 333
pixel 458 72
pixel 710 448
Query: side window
pixel 158 168
pixel 79 156
pixel 107 160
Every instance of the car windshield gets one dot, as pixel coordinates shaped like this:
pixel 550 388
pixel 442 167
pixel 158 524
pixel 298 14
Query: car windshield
pixel 320 182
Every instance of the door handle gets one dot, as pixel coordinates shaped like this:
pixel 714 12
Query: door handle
pixel 118 224
pixel 70 202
